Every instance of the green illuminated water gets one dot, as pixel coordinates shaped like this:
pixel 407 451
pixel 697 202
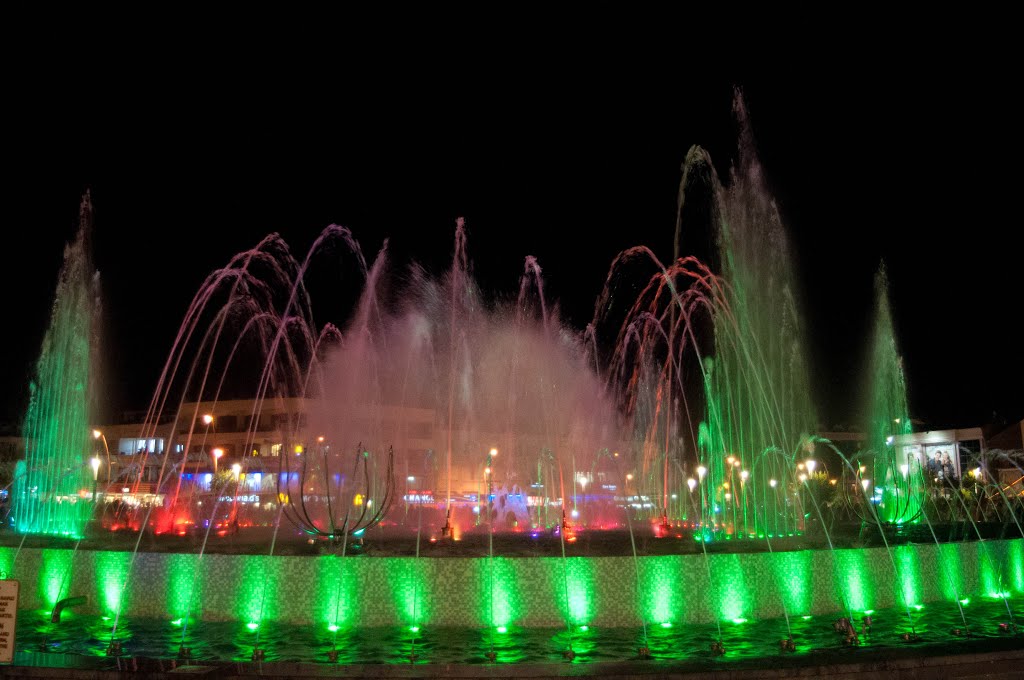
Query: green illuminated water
pixel 896 469
pixel 757 394
pixel 525 592
pixel 54 494
pixel 744 640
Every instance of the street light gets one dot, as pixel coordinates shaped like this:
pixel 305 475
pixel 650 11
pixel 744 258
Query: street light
pixel 811 464
pixel 95 462
pixel 97 434
pixel 236 471
pixel 207 419
pixel 217 453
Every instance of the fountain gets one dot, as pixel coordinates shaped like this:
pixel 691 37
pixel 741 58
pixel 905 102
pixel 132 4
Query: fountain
pixel 447 479
pixel 50 493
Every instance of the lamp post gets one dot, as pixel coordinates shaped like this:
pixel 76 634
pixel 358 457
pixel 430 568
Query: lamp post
pixel 217 453
pixel 95 462
pixel 489 475
pixel 98 435
pixel 701 471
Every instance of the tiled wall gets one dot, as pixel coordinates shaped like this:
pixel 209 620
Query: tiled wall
pixel 609 591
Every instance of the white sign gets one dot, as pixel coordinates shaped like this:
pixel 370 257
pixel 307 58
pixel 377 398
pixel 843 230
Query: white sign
pixel 8 618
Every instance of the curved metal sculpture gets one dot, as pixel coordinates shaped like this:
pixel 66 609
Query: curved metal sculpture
pixel 337 499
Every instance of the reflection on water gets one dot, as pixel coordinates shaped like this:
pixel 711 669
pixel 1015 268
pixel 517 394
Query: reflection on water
pixel 234 641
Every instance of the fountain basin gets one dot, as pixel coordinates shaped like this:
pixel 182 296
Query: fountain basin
pixel 531 592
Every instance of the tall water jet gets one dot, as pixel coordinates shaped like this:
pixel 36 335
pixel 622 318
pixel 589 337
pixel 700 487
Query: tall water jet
pixel 897 469
pixel 709 366
pixel 52 497
pixel 759 409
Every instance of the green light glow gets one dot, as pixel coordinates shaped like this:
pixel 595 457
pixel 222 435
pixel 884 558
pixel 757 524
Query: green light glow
pixel 918 607
pixel 414 629
pixel 111 572
pixel 252 625
pixel 793 572
pixel 502 629
pixel 181 580
pixel 53 495
pixel 54 567
pixel 851 570
pixel 410 592
pixel 579 575
pixel 952 580
pixel 732 587
pixel 666 624
pixel 909 575
pixel 869 612
pixel 806 618
pixel 333 628
pixel 987 570
pixel 966 601
pixel 738 621
pixel 256 594
pixel 657 589
pixel 498 604
pixel 336 600
pixel 7 560
pixel 177 622
pixel 1016 565
pixel 584 628
pixel 902 492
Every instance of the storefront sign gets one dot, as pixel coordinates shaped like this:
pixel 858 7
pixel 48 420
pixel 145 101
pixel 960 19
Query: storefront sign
pixel 8 618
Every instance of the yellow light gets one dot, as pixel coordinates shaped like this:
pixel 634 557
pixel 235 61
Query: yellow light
pixel 236 470
pixel 629 477
pixel 487 471
pixel 96 434
pixel 358 500
pixel 803 477
pixel 207 418
pixel 298 449
pixel 95 462
pixel 863 468
pixel 725 485
pixel 494 453
pixel 865 483
pixel 320 439
pixel 217 453
pixel 701 471
pixel 772 482
pixel 731 459
pixel 744 474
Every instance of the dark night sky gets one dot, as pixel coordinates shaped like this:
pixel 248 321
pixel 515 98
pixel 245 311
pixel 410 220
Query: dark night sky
pixel 571 164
